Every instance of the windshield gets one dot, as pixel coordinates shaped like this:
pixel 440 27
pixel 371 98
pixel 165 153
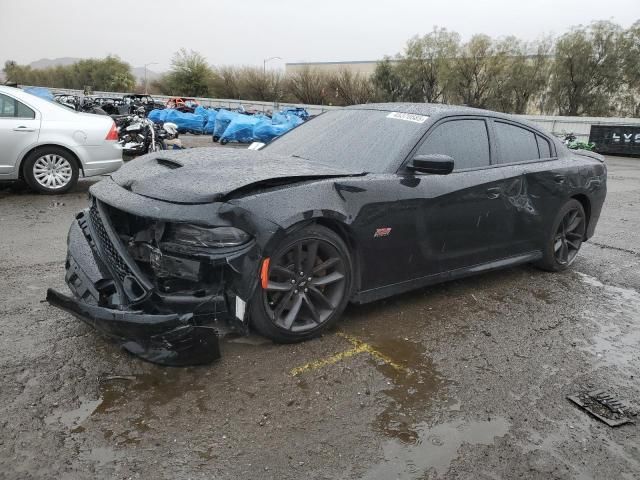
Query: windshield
pixel 354 140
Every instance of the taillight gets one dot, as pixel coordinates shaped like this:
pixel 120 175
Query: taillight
pixel 113 132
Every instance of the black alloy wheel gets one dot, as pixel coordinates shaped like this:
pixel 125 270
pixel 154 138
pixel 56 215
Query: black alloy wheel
pixel 565 237
pixel 309 278
pixel 569 236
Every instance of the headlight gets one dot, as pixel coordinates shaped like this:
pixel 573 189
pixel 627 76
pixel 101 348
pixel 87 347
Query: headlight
pixel 195 236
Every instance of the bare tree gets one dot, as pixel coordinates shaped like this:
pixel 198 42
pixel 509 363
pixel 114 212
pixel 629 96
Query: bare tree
pixel 226 82
pixel 308 86
pixel 352 88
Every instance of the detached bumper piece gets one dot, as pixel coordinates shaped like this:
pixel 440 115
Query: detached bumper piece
pixel 112 294
pixel 163 339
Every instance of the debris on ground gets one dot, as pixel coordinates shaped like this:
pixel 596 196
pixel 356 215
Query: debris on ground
pixel 605 407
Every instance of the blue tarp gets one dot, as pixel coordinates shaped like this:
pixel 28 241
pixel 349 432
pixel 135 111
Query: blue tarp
pixel 200 110
pixel 241 127
pixel 40 92
pixel 297 111
pixel 158 116
pixel 186 122
pixel 280 123
pixel 222 121
pixel 211 121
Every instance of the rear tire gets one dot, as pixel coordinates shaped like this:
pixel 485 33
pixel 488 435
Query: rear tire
pixel 565 238
pixel 309 285
pixel 51 170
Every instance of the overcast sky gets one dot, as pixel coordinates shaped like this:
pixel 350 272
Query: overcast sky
pixel 248 31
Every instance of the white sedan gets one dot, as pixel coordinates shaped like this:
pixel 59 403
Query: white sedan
pixel 49 146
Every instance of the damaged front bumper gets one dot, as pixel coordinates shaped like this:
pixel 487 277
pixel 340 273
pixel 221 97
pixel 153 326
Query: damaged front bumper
pixel 170 339
pixel 157 319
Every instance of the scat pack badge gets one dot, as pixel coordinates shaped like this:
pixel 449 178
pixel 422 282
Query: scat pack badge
pixel 382 232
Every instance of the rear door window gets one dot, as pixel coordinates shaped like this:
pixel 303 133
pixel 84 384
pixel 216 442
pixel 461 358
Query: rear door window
pixel 464 140
pixel 515 144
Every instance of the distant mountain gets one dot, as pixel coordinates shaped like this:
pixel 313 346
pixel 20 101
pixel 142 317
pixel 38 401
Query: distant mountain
pixel 48 62
pixel 137 72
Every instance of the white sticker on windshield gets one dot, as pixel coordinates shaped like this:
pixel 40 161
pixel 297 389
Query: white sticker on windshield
pixel 409 117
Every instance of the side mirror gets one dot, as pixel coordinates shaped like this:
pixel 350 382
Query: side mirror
pixel 434 163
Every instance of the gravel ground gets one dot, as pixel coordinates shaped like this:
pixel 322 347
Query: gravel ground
pixel 463 380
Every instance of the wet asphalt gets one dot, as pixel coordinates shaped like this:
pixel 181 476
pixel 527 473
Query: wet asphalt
pixel 467 379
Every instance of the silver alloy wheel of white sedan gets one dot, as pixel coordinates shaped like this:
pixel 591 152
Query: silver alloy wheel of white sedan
pixel 52 171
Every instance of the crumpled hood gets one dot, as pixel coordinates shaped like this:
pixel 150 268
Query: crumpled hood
pixel 203 175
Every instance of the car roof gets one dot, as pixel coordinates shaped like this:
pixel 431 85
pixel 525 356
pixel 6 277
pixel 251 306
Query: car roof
pixel 443 110
pixel 428 109
pixel 52 109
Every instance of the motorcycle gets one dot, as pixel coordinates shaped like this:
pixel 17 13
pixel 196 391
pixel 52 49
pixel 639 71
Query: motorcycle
pixel 138 135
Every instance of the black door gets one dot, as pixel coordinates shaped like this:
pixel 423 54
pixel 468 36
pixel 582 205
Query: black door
pixel 457 220
pixel 535 182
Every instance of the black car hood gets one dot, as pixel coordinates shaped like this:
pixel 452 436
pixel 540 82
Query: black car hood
pixel 203 175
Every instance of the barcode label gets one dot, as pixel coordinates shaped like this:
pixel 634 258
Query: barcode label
pixel 409 117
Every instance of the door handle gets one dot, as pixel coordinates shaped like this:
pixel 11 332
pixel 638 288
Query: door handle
pixel 22 128
pixel 493 193
pixel 559 178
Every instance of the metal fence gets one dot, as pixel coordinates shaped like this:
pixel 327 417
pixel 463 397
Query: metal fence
pixel 230 103
pixel 556 125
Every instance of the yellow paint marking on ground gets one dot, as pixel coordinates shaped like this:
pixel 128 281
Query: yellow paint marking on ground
pixel 372 351
pixel 316 364
pixel 358 347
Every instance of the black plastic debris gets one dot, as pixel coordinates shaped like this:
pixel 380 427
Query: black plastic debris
pixel 605 407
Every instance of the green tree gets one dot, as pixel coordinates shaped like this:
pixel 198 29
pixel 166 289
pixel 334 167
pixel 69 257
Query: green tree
pixel 478 71
pixel 587 69
pixel 630 47
pixel 521 75
pixel 190 75
pixel 427 65
pixel 389 83
pixel 109 73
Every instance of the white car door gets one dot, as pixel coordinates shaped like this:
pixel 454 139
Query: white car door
pixel 19 129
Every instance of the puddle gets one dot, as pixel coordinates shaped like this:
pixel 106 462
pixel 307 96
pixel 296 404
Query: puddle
pixel 153 389
pixel 618 336
pixel 416 391
pixel 101 455
pixel 435 448
pixel 73 418
pixel 137 396
pixel 412 391
pixel 626 294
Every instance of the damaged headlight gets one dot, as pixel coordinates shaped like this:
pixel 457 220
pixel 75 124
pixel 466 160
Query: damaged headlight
pixel 216 237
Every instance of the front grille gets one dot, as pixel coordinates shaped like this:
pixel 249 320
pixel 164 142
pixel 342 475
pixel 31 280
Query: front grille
pixel 114 260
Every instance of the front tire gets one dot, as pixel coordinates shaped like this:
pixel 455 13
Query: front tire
pixel 565 239
pixel 51 170
pixel 309 284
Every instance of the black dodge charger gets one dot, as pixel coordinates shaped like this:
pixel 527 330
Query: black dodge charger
pixel 353 206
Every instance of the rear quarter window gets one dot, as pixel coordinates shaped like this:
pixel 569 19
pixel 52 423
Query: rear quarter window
pixel 515 144
pixel 543 147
